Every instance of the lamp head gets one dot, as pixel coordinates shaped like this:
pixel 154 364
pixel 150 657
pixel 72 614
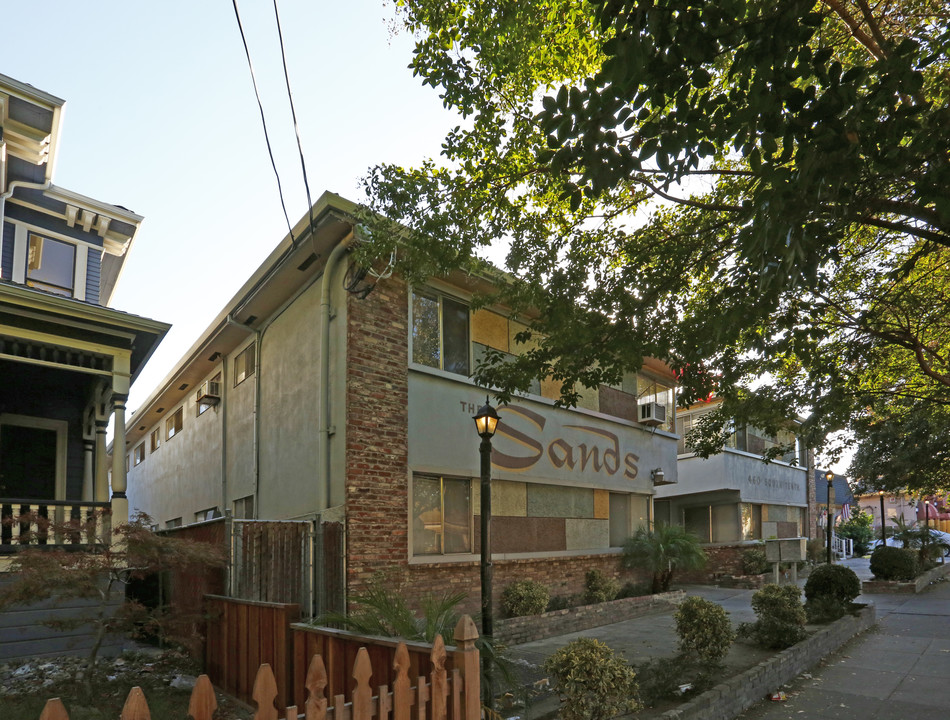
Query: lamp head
pixel 829 476
pixel 486 420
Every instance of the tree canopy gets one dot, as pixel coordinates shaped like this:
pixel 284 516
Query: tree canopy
pixel 745 189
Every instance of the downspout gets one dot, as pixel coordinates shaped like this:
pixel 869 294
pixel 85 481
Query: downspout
pixel 257 409
pixel 323 410
pixel 224 435
pixel 17 184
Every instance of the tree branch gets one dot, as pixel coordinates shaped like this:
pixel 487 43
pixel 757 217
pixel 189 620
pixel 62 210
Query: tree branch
pixel 854 26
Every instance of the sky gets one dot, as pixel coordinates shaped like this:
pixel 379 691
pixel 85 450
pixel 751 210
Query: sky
pixel 161 118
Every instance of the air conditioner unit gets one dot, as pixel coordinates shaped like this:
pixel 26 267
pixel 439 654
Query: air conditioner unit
pixel 652 414
pixel 209 393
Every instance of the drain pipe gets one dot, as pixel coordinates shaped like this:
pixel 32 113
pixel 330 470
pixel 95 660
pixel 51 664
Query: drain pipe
pixel 14 184
pixel 323 409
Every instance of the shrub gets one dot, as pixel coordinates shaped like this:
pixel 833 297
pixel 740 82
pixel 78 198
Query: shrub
pixel 833 581
pixel 703 628
pixel 592 681
pixel 754 562
pixel 525 597
pixel 781 617
pixel 891 563
pixel 599 588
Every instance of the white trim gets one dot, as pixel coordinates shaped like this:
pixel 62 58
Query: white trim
pixel 45 232
pixel 79 272
pixel 61 427
pixel 20 241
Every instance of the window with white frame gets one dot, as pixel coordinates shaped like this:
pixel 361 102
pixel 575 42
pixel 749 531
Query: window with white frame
pixel 174 423
pixel 51 265
pixel 440 332
pixel 245 363
pixel 441 515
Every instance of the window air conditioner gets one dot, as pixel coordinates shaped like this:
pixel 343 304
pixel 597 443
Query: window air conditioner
pixel 652 414
pixel 209 392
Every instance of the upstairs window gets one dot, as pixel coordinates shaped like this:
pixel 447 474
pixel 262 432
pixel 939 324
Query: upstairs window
pixel 174 423
pixel 440 332
pixel 138 455
pixel 155 439
pixel 51 265
pixel 244 364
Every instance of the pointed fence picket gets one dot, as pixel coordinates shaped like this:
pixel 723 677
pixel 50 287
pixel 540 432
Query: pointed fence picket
pixel 443 695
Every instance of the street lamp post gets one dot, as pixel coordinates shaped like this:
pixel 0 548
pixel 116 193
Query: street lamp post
pixel 830 477
pixel 485 422
pixel 927 514
pixel 883 534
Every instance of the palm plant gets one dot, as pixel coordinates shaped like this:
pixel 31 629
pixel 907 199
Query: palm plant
pixel 380 610
pixel 661 552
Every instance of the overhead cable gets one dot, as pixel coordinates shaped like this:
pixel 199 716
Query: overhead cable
pixel 260 106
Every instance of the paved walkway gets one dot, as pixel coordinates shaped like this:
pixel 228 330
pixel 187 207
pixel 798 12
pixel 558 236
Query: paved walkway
pixel 900 670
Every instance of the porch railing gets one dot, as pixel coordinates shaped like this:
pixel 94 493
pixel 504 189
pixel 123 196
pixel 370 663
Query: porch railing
pixel 25 522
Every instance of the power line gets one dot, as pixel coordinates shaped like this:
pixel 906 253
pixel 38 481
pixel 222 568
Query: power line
pixel 260 106
pixel 293 113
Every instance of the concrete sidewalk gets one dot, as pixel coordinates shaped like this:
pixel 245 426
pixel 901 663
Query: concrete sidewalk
pixel 899 670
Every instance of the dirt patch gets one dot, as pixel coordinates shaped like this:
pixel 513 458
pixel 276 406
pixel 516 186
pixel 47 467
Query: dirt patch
pixel 166 678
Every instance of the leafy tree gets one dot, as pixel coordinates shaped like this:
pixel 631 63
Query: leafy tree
pixel 743 189
pixel 663 551
pixel 100 573
pixel 860 529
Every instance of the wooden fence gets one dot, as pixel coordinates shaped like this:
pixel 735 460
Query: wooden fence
pixel 243 634
pixel 339 650
pixel 444 695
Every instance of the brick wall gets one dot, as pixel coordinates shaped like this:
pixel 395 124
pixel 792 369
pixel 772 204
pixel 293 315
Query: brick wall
pixel 720 560
pixel 377 386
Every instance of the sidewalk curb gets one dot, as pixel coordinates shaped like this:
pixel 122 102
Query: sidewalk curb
pixel 727 700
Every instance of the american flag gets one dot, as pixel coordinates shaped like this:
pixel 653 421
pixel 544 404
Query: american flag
pixel 845 513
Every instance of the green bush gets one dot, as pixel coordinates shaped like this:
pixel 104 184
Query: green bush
pixel 525 597
pixel 703 628
pixel 599 588
pixel 754 562
pixel 829 591
pixel 781 617
pixel 891 563
pixel 592 681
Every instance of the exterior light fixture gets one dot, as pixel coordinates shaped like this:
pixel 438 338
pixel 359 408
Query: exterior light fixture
pixel 486 421
pixel 658 476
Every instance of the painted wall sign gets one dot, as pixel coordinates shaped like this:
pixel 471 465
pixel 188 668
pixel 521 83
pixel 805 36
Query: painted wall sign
pixel 588 449
pixel 534 440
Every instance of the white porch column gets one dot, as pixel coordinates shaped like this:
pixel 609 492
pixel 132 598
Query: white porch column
pixel 120 393
pixel 101 490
